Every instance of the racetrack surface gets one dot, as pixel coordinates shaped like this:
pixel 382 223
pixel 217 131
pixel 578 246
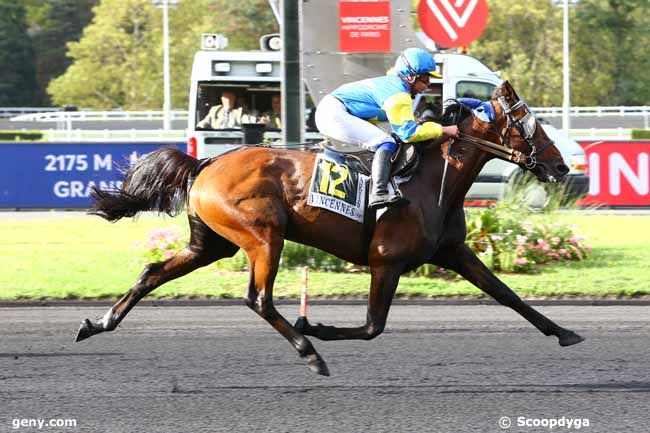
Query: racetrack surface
pixel 437 368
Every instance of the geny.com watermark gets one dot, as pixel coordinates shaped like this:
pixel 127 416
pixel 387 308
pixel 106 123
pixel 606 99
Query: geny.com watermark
pixel 17 423
pixel 549 423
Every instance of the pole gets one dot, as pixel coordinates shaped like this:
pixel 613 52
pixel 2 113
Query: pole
pixel 167 97
pixel 566 100
pixel 293 100
pixel 303 293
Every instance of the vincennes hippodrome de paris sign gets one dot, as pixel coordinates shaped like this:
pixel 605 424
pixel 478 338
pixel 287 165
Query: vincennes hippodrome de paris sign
pixel 365 26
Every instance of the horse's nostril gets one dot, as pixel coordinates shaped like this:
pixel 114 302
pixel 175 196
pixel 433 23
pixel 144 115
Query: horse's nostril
pixel 562 169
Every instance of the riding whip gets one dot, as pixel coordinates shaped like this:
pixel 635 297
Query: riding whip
pixel 444 173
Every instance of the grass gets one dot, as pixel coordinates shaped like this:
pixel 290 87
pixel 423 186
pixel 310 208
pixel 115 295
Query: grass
pixel 85 257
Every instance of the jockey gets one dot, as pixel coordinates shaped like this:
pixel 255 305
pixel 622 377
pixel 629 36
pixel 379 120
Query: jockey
pixel 346 115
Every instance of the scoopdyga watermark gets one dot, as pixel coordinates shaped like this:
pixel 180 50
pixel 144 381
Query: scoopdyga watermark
pixel 560 423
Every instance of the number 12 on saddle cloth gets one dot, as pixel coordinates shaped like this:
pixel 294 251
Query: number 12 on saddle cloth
pixel 335 187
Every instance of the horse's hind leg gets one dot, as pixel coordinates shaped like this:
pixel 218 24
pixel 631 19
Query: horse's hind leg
pixel 204 248
pixel 462 259
pixel 264 259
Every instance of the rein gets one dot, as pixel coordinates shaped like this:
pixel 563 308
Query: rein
pixel 501 151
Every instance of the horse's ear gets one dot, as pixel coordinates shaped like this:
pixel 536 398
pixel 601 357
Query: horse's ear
pixel 507 91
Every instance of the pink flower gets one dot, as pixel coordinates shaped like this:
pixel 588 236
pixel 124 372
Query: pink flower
pixel 563 252
pixel 520 249
pixel 543 245
pixel 521 261
pixel 555 240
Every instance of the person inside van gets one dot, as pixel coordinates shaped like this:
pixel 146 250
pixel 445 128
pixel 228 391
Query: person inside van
pixel 273 118
pixel 228 114
pixel 347 112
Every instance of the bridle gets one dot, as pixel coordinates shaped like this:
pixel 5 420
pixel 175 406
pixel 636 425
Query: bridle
pixel 526 124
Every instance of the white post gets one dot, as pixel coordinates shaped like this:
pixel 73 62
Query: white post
pixel 566 102
pixel 303 293
pixel 167 98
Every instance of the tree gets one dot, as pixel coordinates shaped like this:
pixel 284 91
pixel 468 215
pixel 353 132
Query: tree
pixel 612 52
pixel 243 22
pixel 17 75
pixel 118 61
pixel 53 24
pixel 523 41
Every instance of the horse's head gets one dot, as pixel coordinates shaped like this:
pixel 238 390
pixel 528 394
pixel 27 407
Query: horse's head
pixel 521 131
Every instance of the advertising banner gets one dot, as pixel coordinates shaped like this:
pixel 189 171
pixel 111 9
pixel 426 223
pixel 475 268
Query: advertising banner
pixel 60 175
pixel 618 173
pixel 364 26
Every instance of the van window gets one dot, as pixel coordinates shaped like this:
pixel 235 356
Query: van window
pixel 428 105
pixel 474 89
pixel 253 102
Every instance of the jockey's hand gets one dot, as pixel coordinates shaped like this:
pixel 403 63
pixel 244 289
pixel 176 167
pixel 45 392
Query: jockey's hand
pixel 450 131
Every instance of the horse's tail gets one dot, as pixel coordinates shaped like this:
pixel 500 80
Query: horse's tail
pixel 157 182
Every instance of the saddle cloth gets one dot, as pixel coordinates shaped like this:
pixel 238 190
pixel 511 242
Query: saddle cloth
pixel 341 177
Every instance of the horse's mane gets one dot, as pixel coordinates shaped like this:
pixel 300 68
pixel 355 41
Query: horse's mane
pixel 454 114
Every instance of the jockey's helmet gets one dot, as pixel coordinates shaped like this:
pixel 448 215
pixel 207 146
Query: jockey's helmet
pixel 415 61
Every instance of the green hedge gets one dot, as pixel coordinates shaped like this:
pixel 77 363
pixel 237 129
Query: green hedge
pixel 641 134
pixel 20 135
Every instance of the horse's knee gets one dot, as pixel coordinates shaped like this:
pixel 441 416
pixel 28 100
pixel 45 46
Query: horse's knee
pixel 373 330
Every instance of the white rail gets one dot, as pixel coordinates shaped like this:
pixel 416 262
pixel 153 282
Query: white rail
pixel 108 135
pixel 111 135
pixel 601 134
pixel 9 112
pixel 98 116
pixel 643 110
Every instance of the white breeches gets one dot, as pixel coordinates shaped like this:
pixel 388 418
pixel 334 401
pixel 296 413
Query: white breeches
pixel 333 120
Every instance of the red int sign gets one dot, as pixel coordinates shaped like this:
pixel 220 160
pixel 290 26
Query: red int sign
pixel 453 23
pixel 619 173
pixel 364 26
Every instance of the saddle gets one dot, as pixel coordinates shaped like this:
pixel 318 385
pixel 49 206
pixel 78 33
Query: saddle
pixel 405 160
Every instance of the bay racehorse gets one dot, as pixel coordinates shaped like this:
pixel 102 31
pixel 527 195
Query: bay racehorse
pixel 254 198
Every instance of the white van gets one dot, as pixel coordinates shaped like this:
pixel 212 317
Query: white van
pixel 254 77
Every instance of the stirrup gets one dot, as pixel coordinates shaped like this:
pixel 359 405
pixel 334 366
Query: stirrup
pixel 387 200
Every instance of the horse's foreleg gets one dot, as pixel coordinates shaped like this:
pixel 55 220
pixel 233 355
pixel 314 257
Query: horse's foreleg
pixel 264 261
pixel 382 288
pixel 462 259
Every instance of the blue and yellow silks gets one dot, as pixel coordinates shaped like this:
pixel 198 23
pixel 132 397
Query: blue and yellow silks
pixel 386 98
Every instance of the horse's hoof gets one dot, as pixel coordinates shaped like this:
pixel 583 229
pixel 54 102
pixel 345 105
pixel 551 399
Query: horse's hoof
pixel 86 330
pixel 317 365
pixel 569 338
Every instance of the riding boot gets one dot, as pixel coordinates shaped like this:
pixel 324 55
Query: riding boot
pixel 379 194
